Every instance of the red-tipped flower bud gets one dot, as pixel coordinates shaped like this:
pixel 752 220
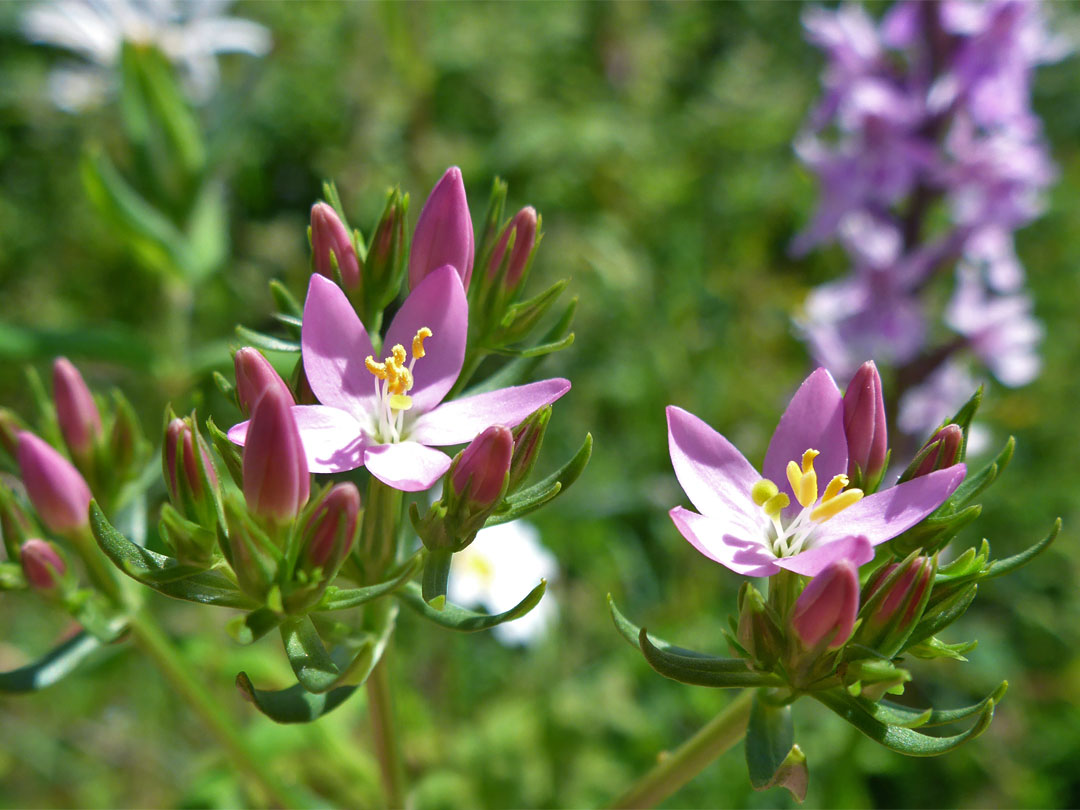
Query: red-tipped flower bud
pixel 825 611
pixel 331 530
pixel 523 229
pixel 893 602
pixel 444 232
pixel 276 478
pixel 528 437
pixel 57 490
pixel 864 424
pixel 80 421
pixel 42 564
pixel 185 471
pixel 254 375
pixel 941 451
pixel 480 472
pixel 330 243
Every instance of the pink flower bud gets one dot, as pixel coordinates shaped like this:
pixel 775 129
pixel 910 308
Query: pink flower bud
pixel 944 450
pixel 57 490
pixel 864 424
pixel 528 437
pixel 185 480
pixel 907 588
pixel 825 610
pixel 275 472
pixel 331 530
pixel 481 469
pixel 523 227
pixel 80 421
pixel 42 564
pixel 329 235
pixel 444 232
pixel 254 375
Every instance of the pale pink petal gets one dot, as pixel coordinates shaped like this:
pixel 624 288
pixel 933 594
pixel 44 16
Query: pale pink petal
pixel 814 420
pixel 439 304
pixel 334 345
pixel 408 466
pixel 713 473
pixel 813 561
pixel 333 440
pixel 884 515
pixel 728 541
pixel 460 420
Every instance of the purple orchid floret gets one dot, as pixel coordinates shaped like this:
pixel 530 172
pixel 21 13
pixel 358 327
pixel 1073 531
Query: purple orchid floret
pixel 757 524
pixel 388 414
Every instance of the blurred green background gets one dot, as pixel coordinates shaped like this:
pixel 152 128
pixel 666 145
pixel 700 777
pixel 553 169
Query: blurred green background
pixel 655 141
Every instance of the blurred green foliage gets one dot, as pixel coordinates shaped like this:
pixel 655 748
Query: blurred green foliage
pixel 655 140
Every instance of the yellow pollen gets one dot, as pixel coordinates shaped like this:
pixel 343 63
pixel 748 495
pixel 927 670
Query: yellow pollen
pixel 776 504
pixel 835 486
pixel 422 334
pixel 830 507
pixel 762 491
pixel 378 369
pixel 399 354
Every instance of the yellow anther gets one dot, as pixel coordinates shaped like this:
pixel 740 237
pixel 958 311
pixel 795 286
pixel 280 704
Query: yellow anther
pixel 762 491
pixel 831 507
pixel 808 460
pixel 400 402
pixel 399 354
pixel 418 342
pixel 776 504
pixel 803 482
pixel 378 369
pixel 794 476
pixel 835 486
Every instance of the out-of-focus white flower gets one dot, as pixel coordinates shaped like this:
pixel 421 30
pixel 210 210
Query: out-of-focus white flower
pixel 191 34
pixel 495 572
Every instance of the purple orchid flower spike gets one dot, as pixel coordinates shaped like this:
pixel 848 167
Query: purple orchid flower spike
pixel 388 415
pixel 757 524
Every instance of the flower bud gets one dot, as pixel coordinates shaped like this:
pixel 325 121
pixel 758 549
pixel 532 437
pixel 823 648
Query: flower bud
pixel 528 437
pixel 385 263
pixel 864 425
pixel 254 375
pixel 42 564
pixel 825 611
pixel 941 451
pixel 444 232
pixel 480 471
pixel 249 551
pixel 276 478
pixel 893 602
pixel 523 228
pixel 56 489
pixel 331 245
pixel 76 412
pixel 331 530
pixel 757 631
pixel 190 476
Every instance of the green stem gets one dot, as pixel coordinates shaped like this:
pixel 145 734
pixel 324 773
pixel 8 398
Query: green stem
pixel 157 646
pixel 387 749
pixel 677 768
pixel 379 530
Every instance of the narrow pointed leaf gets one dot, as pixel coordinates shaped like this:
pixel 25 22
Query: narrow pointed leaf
pixel 1001 567
pixel 467 621
pixel 940 618
pixel 267 342
pixel 974 485
pixel 531 498
pixel 631 632
pixel 702 671
pixel 896 715
pixel 292 705
pixel 340 599
pixel 284 300
pixel 52 667
pixel 770 734
pixel 311 663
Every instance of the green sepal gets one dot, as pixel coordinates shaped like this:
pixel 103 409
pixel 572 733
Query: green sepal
pixel 772 757
pixel 940 613
pixel 252 626
pixel 521 318
pixel 466 621
pixel 974 485
pixel 266 342
pixel 50 668
pixel 898 738
pixel 227 389
pixel 284 300
pixel 229 452
pixel 936 648
pixel 701 670
pixel 894 714
pixel 143 565
pixel 532 498
pixel 292 705
pixel 291 322
pixel 344 598
pixel 874 678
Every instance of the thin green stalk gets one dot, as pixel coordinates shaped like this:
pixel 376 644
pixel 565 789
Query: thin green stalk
pixel 677 768
pixel 157 646
pixel 384 733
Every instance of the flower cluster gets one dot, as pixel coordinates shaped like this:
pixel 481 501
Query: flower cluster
pixel 856 579
pixel 928 157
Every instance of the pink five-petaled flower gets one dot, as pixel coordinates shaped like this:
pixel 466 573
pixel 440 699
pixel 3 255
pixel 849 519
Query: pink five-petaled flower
pixel 387 415
pixel 758 525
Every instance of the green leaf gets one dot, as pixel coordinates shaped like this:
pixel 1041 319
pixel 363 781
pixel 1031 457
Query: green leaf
pixel 341 599
pixel 311 663
pixel 772 757
pixel 1001 567
pixel 253 626
pixel 292 705
pixel 973 485
pixel 436 573
pixel 701 670
pixel 631 632
pixel 532 498
pixel 50 668
pixel 539 350
pixel 207 232
pixel 939 616
pixel 896 715
pixel 207 587
pixel 467 621
pixel 897 738
pixel 284 300
pixel 266 342
pixel 936 648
